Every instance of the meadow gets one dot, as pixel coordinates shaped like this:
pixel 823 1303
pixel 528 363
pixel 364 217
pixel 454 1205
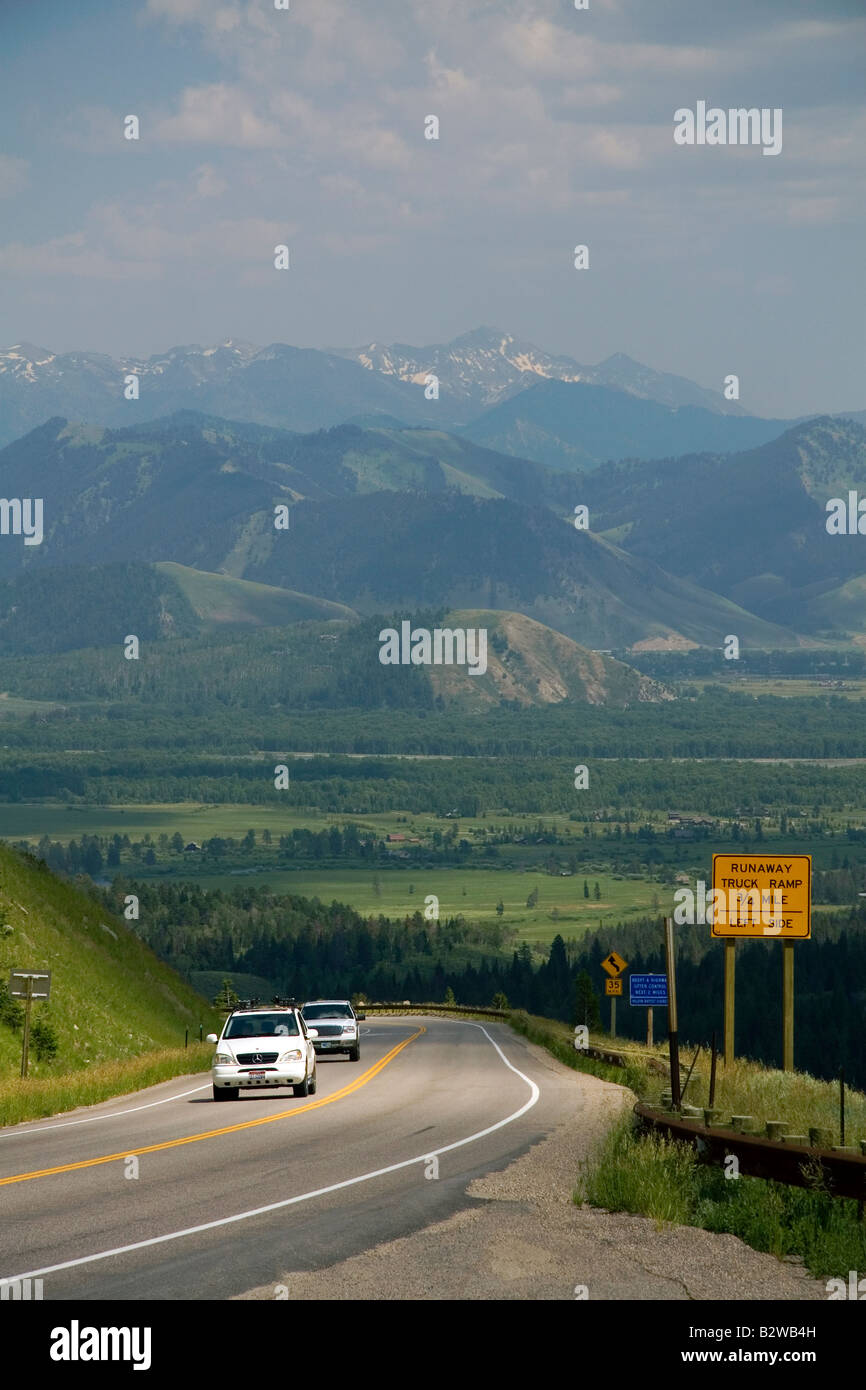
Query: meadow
pixel 630 883
pixel 475 893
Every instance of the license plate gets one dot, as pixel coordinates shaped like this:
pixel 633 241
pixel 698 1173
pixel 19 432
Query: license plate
pixel 329 1044
pixel 255 1073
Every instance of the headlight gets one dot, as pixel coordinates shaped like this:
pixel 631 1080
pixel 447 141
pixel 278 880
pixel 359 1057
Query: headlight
pixel 348 1027
pixel 294 1056
pixel 223 1057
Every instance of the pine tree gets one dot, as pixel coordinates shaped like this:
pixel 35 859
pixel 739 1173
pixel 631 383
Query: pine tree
pixel 227 998
pixel 586 1009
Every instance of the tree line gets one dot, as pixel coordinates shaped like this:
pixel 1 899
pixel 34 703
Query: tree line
pixel 304 947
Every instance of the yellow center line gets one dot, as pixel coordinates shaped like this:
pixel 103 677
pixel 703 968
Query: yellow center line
pixel 229 1129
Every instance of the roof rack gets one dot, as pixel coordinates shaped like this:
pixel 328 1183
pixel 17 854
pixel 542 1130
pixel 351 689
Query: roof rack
pixel 276 1003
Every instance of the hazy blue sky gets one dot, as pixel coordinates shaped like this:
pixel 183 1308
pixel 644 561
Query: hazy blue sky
pixel 307 127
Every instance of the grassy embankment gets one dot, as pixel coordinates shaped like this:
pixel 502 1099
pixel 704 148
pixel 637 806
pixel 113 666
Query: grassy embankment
pixel 117 1015
pixel 663 1179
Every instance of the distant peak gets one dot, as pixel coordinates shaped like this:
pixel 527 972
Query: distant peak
pixel 28 350
pixel 620 359
pixel 485 336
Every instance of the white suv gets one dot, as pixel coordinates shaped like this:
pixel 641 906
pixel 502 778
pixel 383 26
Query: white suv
pixel 265 1046
pixel 336 1025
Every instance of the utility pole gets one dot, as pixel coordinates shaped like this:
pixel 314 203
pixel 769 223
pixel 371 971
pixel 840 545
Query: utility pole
pixel 25 1045
pixel 28 985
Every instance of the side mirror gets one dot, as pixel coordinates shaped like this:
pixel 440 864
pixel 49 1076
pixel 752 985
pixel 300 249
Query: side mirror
pixel 212 1037
pixel 312 1032
pixel 360 1017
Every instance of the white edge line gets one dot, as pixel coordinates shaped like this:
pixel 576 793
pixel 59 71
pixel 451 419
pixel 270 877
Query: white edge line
pixel 14 1132
pixel 304 1196
pixel 113 1115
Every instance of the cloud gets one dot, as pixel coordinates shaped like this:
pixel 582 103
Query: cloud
pixel 812 211
pixel 218 114
pixel 151 240
pixel 208 183
pixel 13 175
pixel 222 18
pixel 72 256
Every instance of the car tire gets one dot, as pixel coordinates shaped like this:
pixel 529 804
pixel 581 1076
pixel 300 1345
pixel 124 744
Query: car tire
pixel 355 1053
pixel 313 1083
pixel 302 1088
pixel 226 1092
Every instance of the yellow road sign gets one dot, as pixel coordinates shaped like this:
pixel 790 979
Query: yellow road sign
pixel 762 895
pixel 613 986
pixel 614 964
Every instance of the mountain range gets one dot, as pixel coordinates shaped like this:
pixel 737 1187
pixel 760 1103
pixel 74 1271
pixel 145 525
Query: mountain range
pixel 377 519
pixel 576 425
pixel 486 366
pixel 751 526
pixel 508 394
pixel 703 521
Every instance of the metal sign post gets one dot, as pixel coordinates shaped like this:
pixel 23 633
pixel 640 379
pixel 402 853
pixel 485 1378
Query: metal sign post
pixel 613 988
pixel 673 1034
pixel 28 985
pixel 759 896
pixel 730 985
pixel 788 1006
pixel 645 992
pixel 614 965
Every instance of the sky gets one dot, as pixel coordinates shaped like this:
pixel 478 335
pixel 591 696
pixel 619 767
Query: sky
pixel 305 127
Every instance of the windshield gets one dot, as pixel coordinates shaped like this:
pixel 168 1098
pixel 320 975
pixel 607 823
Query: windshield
pixel 313 1011
pixel 262 1026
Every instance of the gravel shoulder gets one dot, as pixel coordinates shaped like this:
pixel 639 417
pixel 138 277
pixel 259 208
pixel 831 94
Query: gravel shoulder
pixel 521 1237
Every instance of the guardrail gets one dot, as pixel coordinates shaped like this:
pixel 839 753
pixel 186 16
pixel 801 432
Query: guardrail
pixel 842 1174
pixel 798 1165
pixel 404 1008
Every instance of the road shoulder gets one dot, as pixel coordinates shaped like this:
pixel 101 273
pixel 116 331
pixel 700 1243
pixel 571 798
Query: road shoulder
pixel 523 1238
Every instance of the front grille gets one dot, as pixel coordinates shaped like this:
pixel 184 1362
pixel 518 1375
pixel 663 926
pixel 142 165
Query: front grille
pixel 252 1059
pixel 328 1030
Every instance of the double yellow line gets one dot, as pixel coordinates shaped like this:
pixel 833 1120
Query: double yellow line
pixel 353 1086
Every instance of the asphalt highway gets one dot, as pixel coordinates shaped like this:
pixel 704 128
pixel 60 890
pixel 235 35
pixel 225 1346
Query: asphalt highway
pixel 166 1195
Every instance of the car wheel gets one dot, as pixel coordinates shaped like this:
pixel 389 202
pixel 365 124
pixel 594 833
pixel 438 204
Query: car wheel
pixel 302 1088
pixel 225 1092
pixel 355 1053
pixel 313 1083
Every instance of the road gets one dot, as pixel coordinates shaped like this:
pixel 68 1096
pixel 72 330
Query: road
pixel 165 1195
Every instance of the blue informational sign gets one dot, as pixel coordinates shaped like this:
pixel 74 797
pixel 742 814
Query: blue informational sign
pixel 648 991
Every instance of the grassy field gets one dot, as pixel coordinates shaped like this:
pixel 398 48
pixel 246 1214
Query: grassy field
pixel 13 706
pixel 31 820
pixel 474 892
pixel 854 687
pixel 196 821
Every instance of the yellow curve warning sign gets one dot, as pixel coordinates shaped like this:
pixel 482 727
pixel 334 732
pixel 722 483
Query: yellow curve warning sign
pixel 762 896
